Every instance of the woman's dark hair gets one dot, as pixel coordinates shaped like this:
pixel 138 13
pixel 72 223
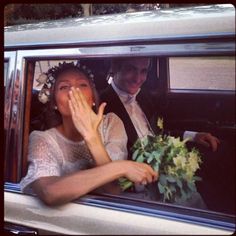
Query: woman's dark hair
pixel 52 116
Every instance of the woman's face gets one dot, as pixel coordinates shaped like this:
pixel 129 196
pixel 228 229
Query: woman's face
pixel 63 86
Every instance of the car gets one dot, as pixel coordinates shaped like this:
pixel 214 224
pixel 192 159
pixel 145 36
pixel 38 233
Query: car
pixel 193 73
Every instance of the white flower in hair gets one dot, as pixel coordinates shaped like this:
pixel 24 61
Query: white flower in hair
pixel 41 79
pixel 51 78
pixel 43 97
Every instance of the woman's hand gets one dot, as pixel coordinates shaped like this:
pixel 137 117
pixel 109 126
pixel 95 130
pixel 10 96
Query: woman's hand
pixel 84 118
pixel 139 173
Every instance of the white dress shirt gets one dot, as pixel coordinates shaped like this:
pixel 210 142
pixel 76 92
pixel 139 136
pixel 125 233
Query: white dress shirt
pixel 135 112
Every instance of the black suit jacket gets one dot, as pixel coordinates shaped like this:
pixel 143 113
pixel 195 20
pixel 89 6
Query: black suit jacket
pixel 151 111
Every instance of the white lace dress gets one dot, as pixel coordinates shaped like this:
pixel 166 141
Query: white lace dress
pixel 52 154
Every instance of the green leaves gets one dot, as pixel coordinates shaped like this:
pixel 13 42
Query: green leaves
pixel 176 166
pixel 125 183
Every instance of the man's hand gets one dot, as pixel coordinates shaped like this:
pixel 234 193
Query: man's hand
pixel 207 139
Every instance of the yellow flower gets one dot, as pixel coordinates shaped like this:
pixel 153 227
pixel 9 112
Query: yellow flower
pixel 160 123
pixel 193 161
pixel 176 142
pixel 170 170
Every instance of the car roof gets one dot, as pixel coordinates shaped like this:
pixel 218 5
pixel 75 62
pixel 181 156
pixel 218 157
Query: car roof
pixel 152 25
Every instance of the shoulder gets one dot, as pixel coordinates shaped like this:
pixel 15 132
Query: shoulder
pixel 43 142
pixel 112 118
pixel 39 137
pixel 38 133
pixel 112 124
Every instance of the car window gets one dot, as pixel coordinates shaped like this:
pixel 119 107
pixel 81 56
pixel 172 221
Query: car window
pixel 37 109
pixel 206 73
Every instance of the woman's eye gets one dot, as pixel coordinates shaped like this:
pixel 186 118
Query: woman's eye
pixel 64 87
pixel 83 85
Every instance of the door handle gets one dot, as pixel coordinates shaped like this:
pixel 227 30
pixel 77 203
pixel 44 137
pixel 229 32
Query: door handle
pixel 19 229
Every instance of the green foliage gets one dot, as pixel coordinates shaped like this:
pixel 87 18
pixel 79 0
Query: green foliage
pixel 175 164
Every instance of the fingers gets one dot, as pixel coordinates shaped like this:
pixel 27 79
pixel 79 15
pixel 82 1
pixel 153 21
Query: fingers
pixel 213 141
pixel 148 174
pixel 77 98
pixel 101 110
pixel 72 109
pixel 208 140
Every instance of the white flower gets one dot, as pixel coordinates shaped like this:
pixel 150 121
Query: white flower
pixel 176 142
pixel 180 161
pixel 51 78
pixel 43 97
pixel 41 79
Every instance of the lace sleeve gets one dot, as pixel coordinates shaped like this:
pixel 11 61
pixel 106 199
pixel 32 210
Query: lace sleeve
pixel 115 137
pixel 44 159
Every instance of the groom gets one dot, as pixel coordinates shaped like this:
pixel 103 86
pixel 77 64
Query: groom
pixel 126 99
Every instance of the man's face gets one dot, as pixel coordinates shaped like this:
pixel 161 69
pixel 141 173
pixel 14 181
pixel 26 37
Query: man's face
pixel 132 74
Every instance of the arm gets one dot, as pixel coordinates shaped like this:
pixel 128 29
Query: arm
pixel 54 190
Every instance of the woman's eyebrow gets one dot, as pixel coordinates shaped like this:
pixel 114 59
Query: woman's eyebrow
pixel 61 81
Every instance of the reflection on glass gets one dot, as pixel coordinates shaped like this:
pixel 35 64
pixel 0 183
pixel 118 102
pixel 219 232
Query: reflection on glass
pixel 211 73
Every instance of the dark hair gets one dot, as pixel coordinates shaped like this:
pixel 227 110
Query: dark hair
pixel 117 63
pixel 53 117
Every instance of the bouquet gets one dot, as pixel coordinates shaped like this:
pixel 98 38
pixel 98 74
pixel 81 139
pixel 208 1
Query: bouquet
pixel 175 164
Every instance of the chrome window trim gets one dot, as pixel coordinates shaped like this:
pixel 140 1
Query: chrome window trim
pixel 8 99
pixel 181 49
pixel 148 208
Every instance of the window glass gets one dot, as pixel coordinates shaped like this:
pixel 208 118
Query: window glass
pixel 208 73
pixel 184 68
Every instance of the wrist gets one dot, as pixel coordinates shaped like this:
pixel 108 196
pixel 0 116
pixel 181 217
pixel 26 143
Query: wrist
pixel 92 139
pixel 120 168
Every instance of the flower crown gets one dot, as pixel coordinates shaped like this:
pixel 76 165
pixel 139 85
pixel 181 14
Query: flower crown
pixel 49 78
